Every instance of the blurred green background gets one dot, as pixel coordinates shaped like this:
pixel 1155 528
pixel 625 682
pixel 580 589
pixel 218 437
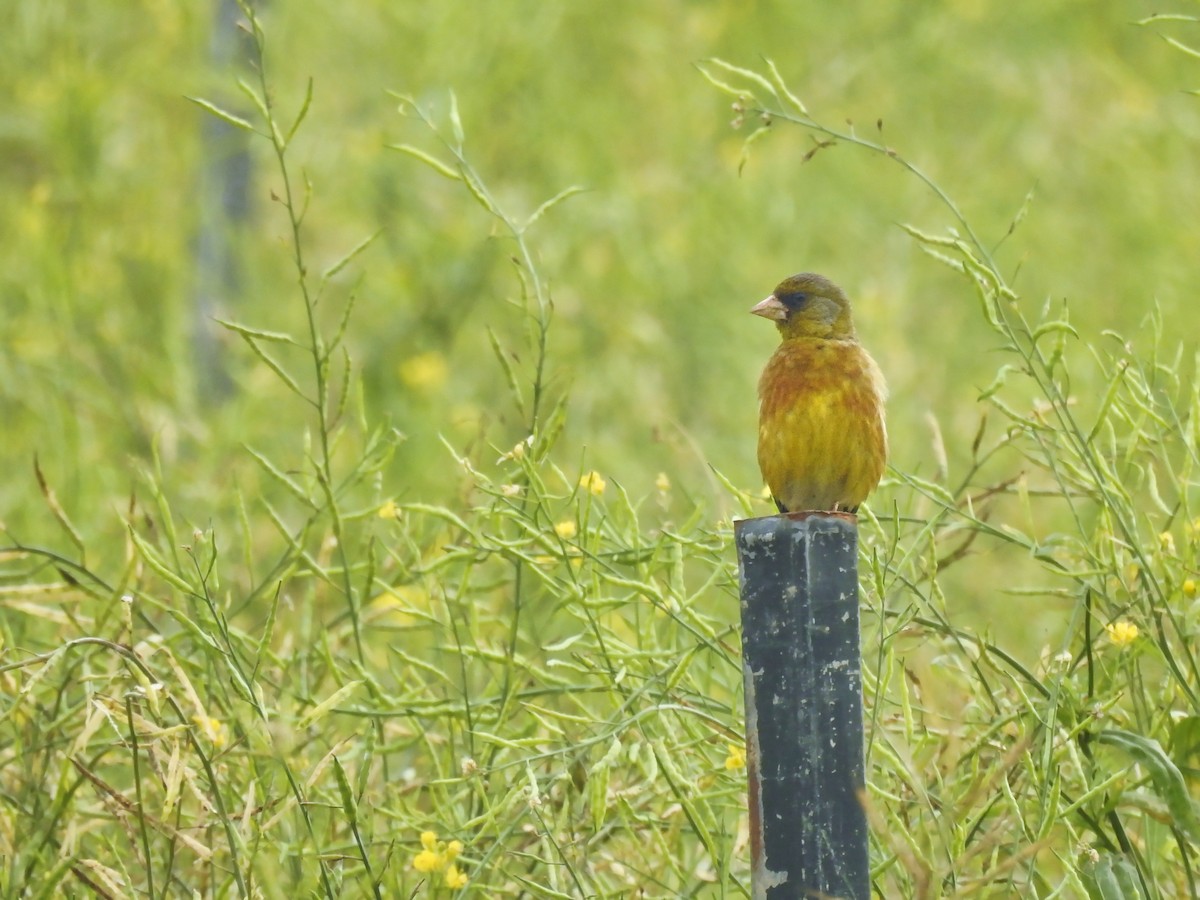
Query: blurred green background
pixel 107 185
pixel 131 218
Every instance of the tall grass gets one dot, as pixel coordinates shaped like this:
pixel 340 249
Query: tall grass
pixel 1067 777
pixel 531 685
pixel 533 688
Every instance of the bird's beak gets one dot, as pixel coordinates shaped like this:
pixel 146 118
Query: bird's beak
pixel 771 308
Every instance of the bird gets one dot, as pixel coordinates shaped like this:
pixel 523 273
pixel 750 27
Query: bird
pixel 822 440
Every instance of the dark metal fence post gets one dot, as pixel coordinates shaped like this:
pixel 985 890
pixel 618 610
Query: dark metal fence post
pixel 804 722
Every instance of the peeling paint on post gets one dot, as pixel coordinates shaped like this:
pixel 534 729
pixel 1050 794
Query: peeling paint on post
pixel 804 722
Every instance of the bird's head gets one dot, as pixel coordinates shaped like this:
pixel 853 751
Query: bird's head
pixel 808 306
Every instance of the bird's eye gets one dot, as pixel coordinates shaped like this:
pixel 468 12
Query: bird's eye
pixel 792 299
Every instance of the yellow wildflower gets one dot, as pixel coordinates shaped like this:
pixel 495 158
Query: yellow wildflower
pixel 212 729
pixel 736 759
pixel 662 483
pixel 389 510
pixel 1132 571
pixel 426 861
pixel 1166 541
pixel 593 482
pixel 425 371
pixel 429 859
pixel 1122 633
pixel 438 857
pixel 566 529
pixel 453 878
pixel 1189 587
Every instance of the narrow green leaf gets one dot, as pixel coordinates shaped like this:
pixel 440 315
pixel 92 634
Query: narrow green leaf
pixel 510 373
pixel 681 667
pixel 257 100
pixel 282 477
pixel 553 423
pixel 1110 395
pixel 340 333
pixel 757 135
pixel 723 86
pixel 432 161
pixel 988 305
pixel 782 87
pixel 262 649
pixel 440 512
pixel 343 392
pixel 150 556
pixel 349 807
pixel 1109 877
pixel 743 497
pixel 1166 17
pixel 551 203
pixel 271 363
pixel 300 116
pixel 1166 777
pixel 56 509
pixel 926 238
pixel 349 257
pixel 1058 325
pixel 223 115
pixel 1155 496
pixel 748 74
pixel 683 791
pixel 931 489
pixel 475 186
pixel 319 711
pixel 1179 45
pixel 456 121
pixel 998 382
pixel 281 337
pixel 598 781
pixel 406 102
pixel 1022 212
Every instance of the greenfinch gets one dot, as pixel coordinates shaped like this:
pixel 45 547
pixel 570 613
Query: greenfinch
pixel 822 443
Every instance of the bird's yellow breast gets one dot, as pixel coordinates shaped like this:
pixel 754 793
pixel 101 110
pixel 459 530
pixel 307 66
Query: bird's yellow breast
pixel 822 444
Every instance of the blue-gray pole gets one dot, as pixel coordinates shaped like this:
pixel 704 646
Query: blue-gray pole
pixel 804 719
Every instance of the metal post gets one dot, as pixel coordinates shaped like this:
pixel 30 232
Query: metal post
pixel 804 720
pixel 223 208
